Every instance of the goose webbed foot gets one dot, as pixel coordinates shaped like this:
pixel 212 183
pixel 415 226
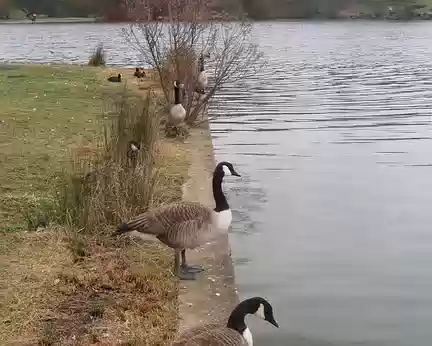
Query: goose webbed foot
pixel 187 268
pixel 186 275
pixel 192 268
pixel 179 269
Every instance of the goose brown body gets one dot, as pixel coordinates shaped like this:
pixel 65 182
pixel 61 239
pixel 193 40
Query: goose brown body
pixel 221 336
pixel 179 225
pixel 190 332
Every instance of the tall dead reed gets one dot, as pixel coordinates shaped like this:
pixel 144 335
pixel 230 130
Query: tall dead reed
pixel 108 184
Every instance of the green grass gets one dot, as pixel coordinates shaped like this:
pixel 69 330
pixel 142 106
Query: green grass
pixel 45 110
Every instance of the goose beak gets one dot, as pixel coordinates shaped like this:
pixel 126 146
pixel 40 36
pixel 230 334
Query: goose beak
pixel 236 174
pixel 274 323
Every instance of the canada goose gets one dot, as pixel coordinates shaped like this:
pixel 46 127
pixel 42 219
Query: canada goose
pixel 187 225
pixel 202 80
pixel 115 79
pixel 235 332
pixel 177 112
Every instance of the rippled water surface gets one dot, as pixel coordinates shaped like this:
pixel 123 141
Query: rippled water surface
pixel 333 139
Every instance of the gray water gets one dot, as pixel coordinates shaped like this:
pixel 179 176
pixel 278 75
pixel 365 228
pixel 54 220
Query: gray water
pixel 333 139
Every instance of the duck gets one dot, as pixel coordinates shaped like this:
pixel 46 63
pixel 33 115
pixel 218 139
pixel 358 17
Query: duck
pixel 202 80
pixel 177 111
pixel 235 332
pixel 115 79
pixel 187 225
pixel 139 73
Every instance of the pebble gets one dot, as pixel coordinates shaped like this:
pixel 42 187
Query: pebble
pixel 217 294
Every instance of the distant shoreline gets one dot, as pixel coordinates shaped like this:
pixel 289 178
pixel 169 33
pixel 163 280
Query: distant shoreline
pixel 50 20
pixel 85 20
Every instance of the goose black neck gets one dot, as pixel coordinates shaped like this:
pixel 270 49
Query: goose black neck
pixel 201 64
pixel 219 196
pixel 236 320
pixel 177 95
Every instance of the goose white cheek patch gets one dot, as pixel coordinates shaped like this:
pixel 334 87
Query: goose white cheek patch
pixel 260 312
pixel 226 170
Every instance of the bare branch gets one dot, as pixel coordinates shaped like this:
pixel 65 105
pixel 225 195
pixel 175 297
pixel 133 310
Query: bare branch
pixel 170 35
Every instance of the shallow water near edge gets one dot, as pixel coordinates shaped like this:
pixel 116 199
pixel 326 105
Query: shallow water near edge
pixel 333 141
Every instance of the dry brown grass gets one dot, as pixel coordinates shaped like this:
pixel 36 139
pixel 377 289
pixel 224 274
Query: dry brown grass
pixel 98 57
pixel 117 293
pixel 73 285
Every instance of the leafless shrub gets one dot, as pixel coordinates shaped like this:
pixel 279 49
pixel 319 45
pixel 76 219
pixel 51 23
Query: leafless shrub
pixel 171 45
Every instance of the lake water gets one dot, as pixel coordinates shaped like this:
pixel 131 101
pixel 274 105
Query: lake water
pixel 333 139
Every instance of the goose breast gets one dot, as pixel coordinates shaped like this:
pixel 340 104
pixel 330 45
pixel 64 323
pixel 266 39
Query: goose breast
pixel 203 79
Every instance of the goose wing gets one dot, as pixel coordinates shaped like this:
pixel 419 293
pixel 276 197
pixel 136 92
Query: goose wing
pixel 221 336
pixel 172 223
pixel 186 224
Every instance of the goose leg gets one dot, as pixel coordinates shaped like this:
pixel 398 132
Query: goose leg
pixel 186 267
pixel 179 271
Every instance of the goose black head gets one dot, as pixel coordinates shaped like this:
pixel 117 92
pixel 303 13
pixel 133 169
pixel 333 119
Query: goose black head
pixel 261 308
pixel 226 169
pixel 255 306
pixel 119 76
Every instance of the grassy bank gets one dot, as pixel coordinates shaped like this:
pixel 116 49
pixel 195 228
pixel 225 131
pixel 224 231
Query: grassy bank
pixel 64 285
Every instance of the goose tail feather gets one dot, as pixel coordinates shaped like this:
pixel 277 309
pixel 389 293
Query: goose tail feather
pixel 123 228
pixel 144 223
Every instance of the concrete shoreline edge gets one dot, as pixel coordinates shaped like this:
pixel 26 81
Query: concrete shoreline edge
pixel 213 295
